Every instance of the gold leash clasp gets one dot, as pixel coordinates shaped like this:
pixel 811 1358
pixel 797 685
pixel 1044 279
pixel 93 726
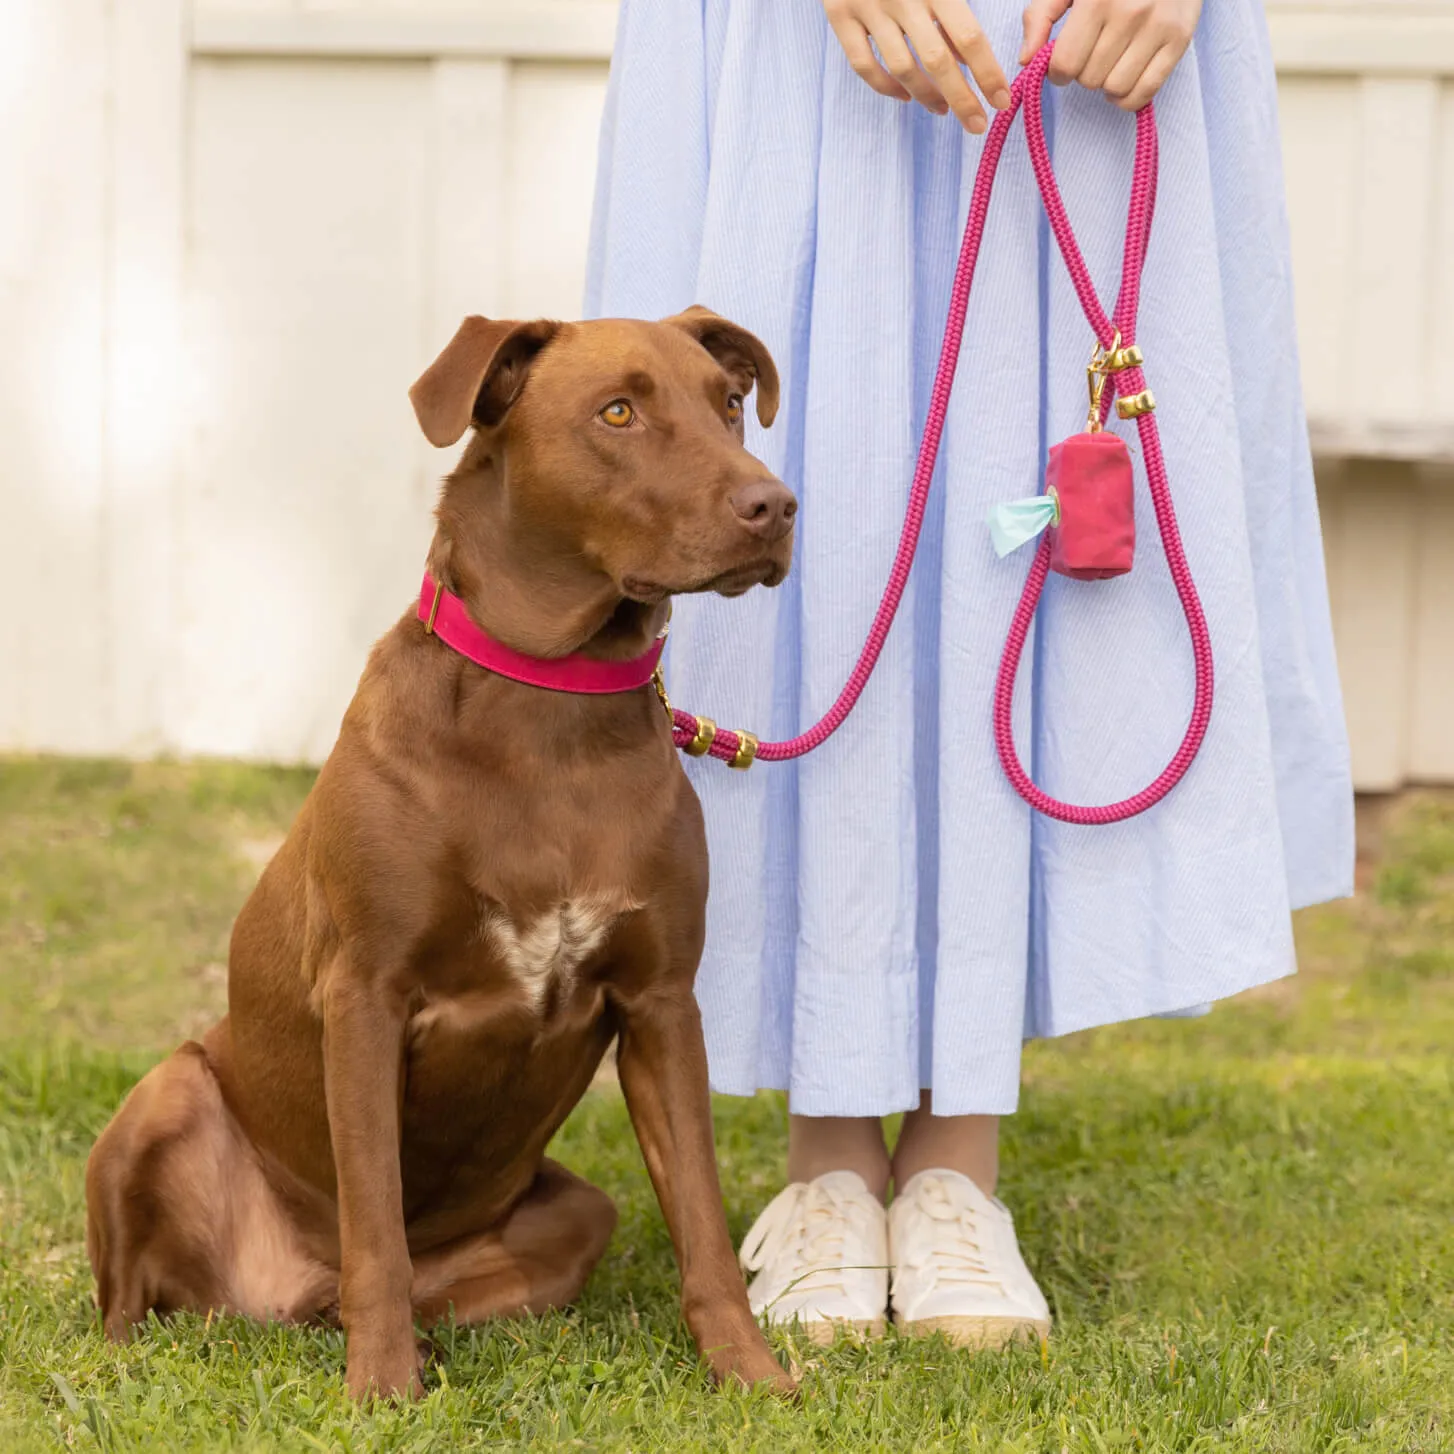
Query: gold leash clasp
pixel 706 730
pixel 658 677
pixel 1102 363
pixel 659 682
pixel 1114 360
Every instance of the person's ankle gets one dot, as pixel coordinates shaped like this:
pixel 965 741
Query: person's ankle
pixel 986 1178
pixel 875 1177
pixel 820 1145
pixel 969 1145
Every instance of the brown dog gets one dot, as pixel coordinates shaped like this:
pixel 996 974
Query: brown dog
pixel 487 885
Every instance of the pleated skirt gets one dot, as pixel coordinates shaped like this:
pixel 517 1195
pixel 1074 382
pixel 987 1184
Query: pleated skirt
pixel 887 914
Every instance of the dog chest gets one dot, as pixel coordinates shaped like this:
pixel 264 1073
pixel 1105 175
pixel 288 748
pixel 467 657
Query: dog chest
pixel 547 949
pixel 520 964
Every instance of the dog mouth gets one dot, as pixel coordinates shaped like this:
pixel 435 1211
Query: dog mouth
pixel 735 582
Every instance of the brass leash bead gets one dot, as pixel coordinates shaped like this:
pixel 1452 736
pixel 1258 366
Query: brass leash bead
pixel 1136 404
pixel 746 752
pixel 701 744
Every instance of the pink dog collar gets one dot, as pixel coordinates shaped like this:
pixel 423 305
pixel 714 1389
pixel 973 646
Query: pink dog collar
pixel 444 616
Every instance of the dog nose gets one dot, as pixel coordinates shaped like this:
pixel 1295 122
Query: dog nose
pixel 765 507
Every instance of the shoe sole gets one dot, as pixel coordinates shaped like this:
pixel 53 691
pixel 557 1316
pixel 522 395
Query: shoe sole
pixel 977 1332
pixel 824 1332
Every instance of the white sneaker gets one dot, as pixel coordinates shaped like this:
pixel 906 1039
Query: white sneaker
pixel 957 1268
pixel 820 1251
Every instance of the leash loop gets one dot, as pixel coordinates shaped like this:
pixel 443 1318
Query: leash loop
pixel 1118 360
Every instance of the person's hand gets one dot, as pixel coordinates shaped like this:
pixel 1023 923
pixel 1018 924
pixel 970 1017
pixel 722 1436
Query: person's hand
pixel 1126 48
pixel 943 35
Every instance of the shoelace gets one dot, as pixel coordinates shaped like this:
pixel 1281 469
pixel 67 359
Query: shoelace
pixel 957 1258
pixel 807 1228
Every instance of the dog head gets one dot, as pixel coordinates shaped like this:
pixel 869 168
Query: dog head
pixel 613 451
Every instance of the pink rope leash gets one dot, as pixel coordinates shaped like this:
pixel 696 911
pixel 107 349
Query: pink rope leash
pixel 700 736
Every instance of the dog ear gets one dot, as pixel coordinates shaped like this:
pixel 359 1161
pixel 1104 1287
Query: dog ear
pixel 478 376
pixel 742 355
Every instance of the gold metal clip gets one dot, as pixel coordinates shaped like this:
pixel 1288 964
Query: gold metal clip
pixel 659 682
pixel 1095 377
pixel 1123 358
pixel 1096 383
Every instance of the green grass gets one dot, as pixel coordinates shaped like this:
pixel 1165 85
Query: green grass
pixel 1245 1224
pixel 118 886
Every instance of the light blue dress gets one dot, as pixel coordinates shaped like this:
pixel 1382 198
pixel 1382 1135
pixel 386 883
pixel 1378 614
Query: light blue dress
pixel 888 915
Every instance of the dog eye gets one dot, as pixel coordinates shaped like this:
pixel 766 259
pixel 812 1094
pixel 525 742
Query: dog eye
pixel 618 414
pixel 734 408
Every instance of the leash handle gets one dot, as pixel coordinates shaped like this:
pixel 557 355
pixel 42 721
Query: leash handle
pixel 1115 331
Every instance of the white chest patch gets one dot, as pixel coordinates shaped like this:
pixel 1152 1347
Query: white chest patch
pixel 553 946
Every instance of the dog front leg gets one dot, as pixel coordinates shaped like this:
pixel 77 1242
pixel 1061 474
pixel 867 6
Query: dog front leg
pixel 363 1041
pixel 662 1065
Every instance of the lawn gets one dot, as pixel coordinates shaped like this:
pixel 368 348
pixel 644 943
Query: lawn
pixel 1244 1224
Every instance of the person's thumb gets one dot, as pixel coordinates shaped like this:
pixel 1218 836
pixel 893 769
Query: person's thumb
pixel 1040 16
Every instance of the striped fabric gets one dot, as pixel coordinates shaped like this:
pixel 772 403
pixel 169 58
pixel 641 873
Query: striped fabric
pixel 888 915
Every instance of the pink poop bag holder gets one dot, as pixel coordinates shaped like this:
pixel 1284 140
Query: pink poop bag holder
pixel 1085 517
pixel 1094 534
pixel 1088 506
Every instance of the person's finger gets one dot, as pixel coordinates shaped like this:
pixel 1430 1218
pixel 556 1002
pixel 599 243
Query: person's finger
pixel 1039 20
pixel 854 40
pixel 1152 78
pixel 1121 80
pixel 1076 41
pixel 937 58
pixel 902 66
pixel 1111 44
pixel 972 46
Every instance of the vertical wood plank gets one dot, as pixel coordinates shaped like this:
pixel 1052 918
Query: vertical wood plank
pixel 310 221
pixel 1392 286
pixel 1441 300
pixel 555 115
pixel 466 264
pixel 1319 121
pixel 1329 476
pixel 1431 725
pixel 53 229
pixel 1377 517
pixel 468 165
pixel 143 404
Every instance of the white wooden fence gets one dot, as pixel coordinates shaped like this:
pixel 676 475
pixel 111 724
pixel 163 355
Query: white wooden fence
pixel 231 235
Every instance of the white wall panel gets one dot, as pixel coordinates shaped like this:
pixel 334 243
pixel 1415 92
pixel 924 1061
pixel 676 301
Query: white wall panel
pixel 472 223
pixel 1440 301
pixel 1389 532
pixel 232 232
pixel 1394 271
pixel 1372 511
pixel 1370 190
pixel 1431 650
pixel 1320 163
pixel 143 338
pixel 311 222
pixel 555 114
pixel 55 218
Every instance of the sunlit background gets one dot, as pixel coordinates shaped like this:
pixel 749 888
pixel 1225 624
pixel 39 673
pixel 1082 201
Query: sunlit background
pixel 232 233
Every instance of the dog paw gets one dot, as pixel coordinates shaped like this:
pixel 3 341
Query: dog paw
pixel 384 1372
pixel 750 1361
